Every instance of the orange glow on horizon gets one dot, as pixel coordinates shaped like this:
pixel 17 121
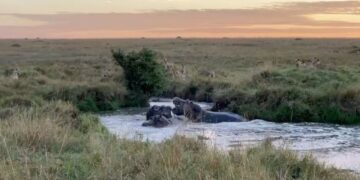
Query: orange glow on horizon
pixel 332 19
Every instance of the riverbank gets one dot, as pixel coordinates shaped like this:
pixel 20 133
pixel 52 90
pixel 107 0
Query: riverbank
pixel 334 145
pixel 55 141
pixel 286 94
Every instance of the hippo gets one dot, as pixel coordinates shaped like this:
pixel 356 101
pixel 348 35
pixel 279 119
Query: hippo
pixel 158 116
pixel 159 110
pixel 195 113
pixel 158 121
pixel 179 106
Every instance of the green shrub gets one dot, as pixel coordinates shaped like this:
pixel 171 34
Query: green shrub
pixel 89 98
pixel 145 77
pixel 87 104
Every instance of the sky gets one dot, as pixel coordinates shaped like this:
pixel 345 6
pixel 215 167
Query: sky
pixel 172 18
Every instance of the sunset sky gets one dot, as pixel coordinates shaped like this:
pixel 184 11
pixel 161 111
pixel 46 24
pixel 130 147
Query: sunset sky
pixel 171 18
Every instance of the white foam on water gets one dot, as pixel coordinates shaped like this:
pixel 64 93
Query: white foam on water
pixel 335 145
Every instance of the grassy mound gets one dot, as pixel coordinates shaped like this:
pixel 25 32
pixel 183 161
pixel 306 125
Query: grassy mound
pixel 90 86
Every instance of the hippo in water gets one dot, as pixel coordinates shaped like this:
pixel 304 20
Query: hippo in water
pixel 179 106
pixel 159 110
pixel 158 121
pixel 158 116
pixel 195 113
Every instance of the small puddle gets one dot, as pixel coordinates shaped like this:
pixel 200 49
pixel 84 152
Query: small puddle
pixel 334 145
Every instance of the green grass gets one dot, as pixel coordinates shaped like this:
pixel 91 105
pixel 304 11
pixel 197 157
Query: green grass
pixel 47 132
pixel 55 141
pixel 283 95
pixel 91 86
pixel 256 78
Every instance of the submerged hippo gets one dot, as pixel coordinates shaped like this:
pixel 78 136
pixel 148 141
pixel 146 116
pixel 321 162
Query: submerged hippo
pixel 159 110
pixel 158 121
pixel 158 116
pixel 195 113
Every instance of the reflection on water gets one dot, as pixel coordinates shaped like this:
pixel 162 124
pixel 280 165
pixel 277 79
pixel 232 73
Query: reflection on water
pixel 333 144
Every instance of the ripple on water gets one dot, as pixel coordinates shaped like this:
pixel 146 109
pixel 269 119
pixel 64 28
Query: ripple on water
pixel 333 144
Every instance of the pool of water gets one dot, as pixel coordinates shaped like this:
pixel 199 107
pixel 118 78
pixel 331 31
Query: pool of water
pixel 334 145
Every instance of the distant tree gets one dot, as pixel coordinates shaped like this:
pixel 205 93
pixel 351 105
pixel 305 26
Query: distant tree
pixel 145 77
pixel 16 45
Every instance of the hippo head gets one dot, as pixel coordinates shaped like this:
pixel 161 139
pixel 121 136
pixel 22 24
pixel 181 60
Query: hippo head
pixel 166 111
pixel 192 111
pixel 179 106
pixel 157 121
pixel 159 110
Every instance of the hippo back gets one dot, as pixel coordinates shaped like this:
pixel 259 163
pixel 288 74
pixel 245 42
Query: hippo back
pixel 218 117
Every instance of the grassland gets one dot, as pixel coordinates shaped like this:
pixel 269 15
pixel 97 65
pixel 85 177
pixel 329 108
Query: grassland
pixel 56 141
pixel 257 78
pixel 46 131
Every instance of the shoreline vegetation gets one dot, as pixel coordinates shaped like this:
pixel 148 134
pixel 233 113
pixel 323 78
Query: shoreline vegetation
pixel 48 89
pixel 56 141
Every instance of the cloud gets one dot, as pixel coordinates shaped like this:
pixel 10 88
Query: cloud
pixel 351 18
pixel 316 19
pixel 11 20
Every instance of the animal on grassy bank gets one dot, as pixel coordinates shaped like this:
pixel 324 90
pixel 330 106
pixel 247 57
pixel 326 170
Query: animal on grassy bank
pixel 12 73
pixel 175 71
pixel 207 73
pixel 158 116
pixel 308 63
pixel 195 113
pixel 355 50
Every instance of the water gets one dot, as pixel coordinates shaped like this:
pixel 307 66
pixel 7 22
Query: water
pixel 334 145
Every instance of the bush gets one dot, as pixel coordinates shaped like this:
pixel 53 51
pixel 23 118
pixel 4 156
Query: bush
pixel 89 122
pixel 145 77
pixel 90 98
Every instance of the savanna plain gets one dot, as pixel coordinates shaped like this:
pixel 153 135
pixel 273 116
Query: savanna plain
pixel 51 90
